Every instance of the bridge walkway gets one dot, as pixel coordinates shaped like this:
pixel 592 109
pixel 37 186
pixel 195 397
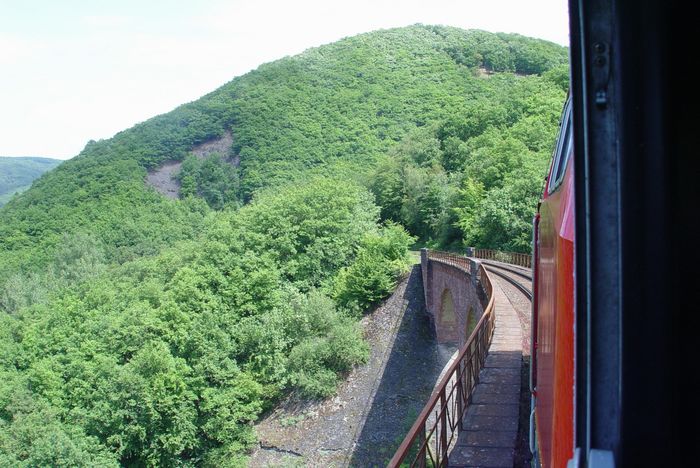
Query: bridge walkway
pixel 490 424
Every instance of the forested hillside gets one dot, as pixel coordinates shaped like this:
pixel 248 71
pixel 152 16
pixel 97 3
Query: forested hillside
pixel 17 174
pixel 140 330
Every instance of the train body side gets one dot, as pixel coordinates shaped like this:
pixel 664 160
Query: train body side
pixel 553 321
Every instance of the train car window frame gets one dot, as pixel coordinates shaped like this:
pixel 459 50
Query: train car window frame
pixel 563 161
pixel 563 148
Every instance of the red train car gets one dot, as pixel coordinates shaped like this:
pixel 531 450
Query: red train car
pixel 552 367
pixel 614 370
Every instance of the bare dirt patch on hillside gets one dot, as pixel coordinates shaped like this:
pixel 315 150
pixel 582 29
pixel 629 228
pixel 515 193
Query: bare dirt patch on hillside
pixel 163 178
pixel 220 145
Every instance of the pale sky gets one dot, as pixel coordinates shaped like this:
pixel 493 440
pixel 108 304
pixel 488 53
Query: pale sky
pixel 76 70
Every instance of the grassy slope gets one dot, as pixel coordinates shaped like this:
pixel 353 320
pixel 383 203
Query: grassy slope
pixel 17 174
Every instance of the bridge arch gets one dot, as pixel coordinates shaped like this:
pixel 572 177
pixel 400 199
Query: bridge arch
pixel 471 321
pixel 447 317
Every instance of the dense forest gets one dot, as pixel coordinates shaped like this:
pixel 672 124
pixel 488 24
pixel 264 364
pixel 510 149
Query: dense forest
pixel 140 330
pixel 17 174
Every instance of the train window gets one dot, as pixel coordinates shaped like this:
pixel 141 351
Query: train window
pixel 563 159
pixel 563 148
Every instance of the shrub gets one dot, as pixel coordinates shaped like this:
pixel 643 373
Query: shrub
pixel 328 343
pixel 380 260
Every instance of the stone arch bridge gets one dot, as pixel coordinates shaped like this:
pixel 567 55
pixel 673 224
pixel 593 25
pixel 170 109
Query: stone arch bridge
pixel 472 416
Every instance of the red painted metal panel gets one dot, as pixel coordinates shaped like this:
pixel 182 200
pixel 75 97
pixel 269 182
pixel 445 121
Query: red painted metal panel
pixel 554 327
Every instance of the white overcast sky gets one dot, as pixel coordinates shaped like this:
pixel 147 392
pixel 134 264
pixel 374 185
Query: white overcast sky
pixel 76 70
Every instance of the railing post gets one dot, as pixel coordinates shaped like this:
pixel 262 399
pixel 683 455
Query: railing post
pixel 443 427
pixel 422 448
pixel 426 277
pixel 423 256
pixel 460 403
pixel 473 271
pixel 470 364
pixel 477 356
pixel 482 348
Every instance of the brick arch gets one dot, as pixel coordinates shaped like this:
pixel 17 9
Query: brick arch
pixel 471 321
pixel 447 317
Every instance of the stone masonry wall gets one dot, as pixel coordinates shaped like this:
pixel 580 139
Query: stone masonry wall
pixel 449 296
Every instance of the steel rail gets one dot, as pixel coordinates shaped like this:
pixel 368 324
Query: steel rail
pixel 519 272
pixel 521 287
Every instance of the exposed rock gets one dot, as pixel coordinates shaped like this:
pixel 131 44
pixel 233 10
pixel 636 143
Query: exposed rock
pixel 220 145
pixel 163 179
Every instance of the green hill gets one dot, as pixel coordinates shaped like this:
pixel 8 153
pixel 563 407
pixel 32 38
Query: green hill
pixel 334 109
pixel 17 174
pixel 163 288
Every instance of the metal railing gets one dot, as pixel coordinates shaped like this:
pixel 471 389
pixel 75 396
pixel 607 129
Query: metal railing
pixel 450 258
pixel 432 435
pixel 520 259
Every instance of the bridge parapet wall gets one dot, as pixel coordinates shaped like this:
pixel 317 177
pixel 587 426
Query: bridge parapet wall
pixel 453 297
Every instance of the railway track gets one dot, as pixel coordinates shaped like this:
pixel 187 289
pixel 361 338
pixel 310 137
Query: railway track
pixel 520 271
pixel 515 276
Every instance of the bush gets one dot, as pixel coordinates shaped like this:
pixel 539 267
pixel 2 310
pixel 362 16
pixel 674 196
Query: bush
pixel 381 259
pixel 327 343
pixel 214 178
